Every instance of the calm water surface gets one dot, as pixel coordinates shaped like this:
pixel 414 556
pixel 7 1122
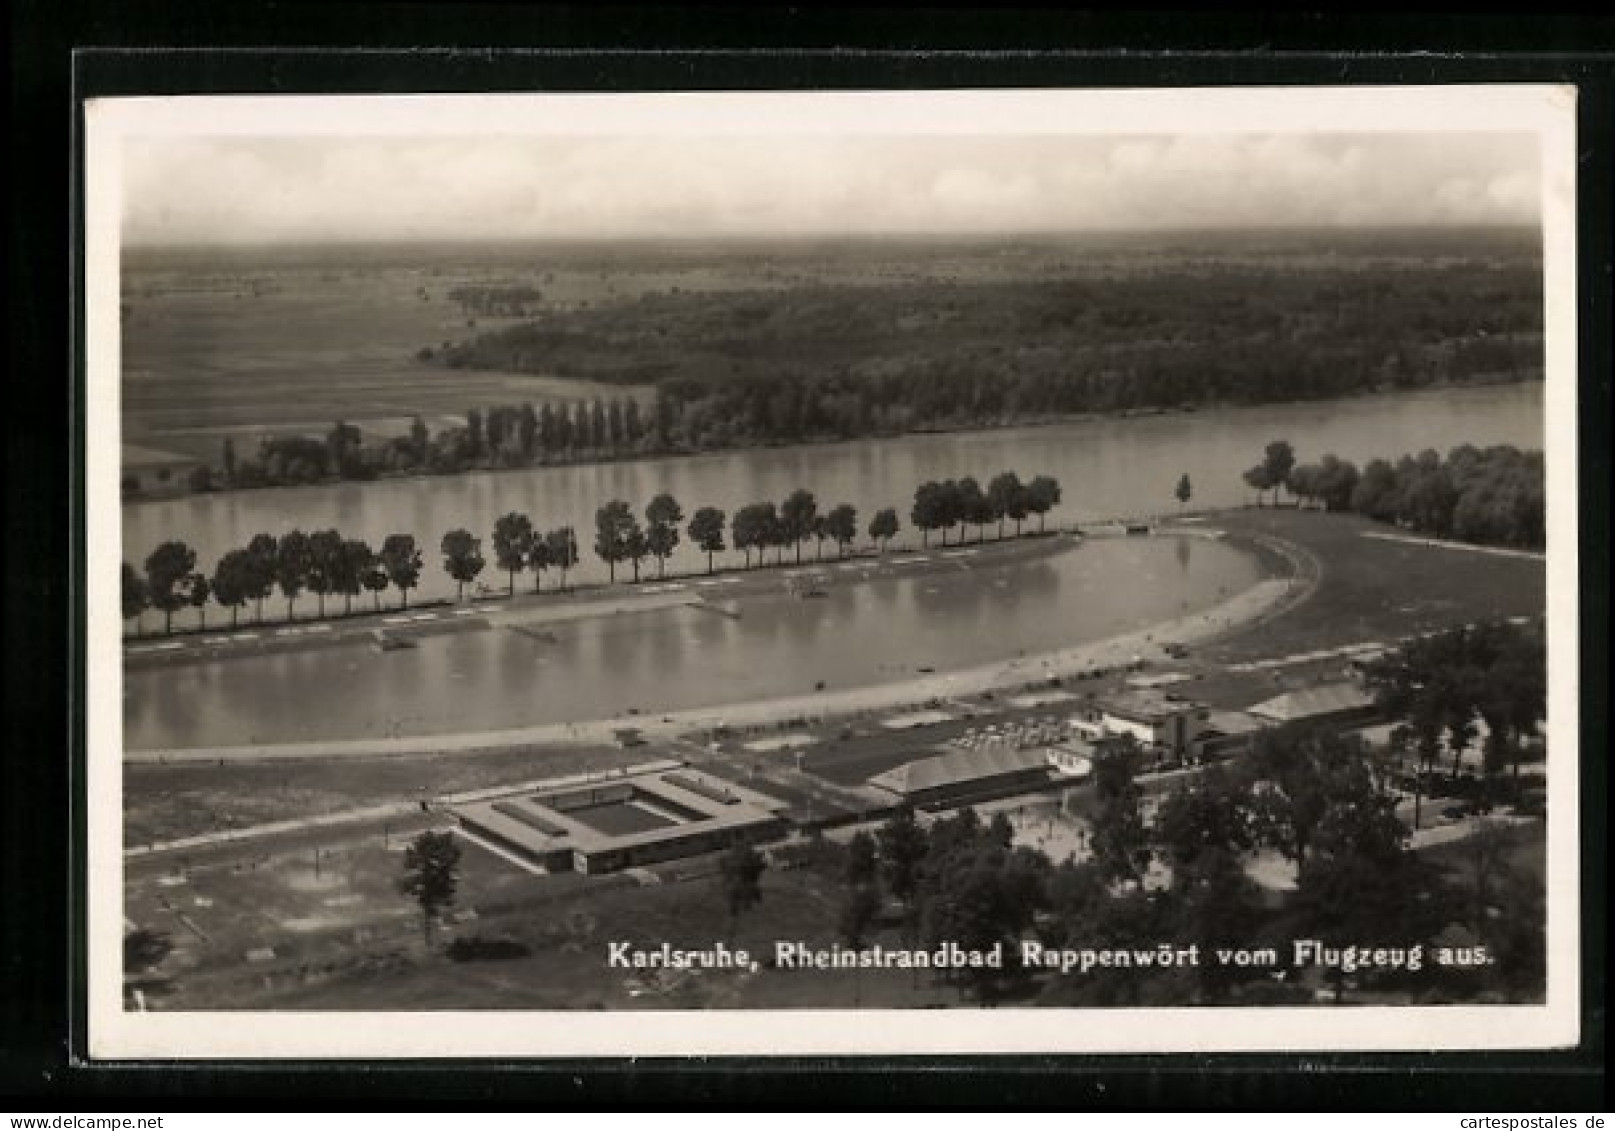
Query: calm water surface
pixel 683 657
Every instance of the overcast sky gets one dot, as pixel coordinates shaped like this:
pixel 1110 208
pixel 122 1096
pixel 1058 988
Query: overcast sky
pixel 256 189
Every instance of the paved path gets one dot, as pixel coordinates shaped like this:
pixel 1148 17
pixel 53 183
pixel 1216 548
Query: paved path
pixel 1445 544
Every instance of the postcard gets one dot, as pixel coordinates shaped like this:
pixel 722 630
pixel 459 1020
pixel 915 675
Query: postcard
pixel 831 573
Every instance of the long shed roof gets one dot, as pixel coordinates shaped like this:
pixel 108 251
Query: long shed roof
pixel 1312 702
pixel 957 768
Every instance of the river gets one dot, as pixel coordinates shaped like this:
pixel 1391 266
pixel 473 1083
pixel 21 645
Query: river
pixel 1105 467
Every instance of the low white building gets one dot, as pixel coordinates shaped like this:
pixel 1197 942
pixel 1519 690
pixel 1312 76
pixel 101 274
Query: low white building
pixel 1161 723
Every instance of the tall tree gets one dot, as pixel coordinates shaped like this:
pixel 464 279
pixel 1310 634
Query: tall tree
pixel 420 440
pixel 431 875
pixel 753 529
pixel 294 558
pixel 1119 839
pixel 197 592
pixel 883 527
pixel 402 561
pixel 136 599
pixel 168 573
pixel 230 581
pixel 563 547
pixel 614 425
pixel 902 849
pixel 1277 461
pixel 1258 479
pixel 842 525
pixel 1042 496
pixel 1006 494
pixel 375 579
pixel 354 561
pixel 614 530
pixel 741 871
pixel 972 507
pixel 1293 770
pixel 462 558
pixel 862 860
pixel 540 556
pixel 662 517
pixel 527 432
pixel 325 563
pixel 796 515
pixel 928 511
pixel 512 543
pixel 263 559
pixel 706 531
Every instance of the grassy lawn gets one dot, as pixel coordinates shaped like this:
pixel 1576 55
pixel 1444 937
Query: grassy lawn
pixel 1376 590
pixel 164 802
pixel 346 940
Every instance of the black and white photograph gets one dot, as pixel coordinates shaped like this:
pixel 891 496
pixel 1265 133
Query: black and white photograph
pixel 1001 571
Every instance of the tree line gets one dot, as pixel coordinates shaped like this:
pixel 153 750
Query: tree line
pixel 1181 873
pixel 787 365
pixel 497 437
pixel 326 563
pixel 1445 684
pixel 1490 496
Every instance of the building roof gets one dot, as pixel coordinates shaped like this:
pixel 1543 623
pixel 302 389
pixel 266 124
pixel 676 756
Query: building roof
pixel 1313 702
pixel 1235 722
pixel 1146 706
pixel 135 456
pixel 957 768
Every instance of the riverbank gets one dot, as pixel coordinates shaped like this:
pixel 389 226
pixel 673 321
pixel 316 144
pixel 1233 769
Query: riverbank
pixel 1039 421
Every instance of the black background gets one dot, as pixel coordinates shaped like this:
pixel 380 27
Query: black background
pixel 62 51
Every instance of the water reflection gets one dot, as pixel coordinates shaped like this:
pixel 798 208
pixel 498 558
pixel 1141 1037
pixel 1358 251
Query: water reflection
pixel 683 657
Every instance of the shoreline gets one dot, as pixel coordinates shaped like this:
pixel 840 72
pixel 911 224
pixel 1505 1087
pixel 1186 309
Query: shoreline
pixel 588 601
pixel 1147 643
pixel 964 429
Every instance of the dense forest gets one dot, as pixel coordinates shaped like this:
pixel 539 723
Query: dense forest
pixel 1492 496
pixel 821 362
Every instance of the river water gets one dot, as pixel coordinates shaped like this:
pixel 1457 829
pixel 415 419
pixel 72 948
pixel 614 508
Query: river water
pixel 859 633
pixel 1106 468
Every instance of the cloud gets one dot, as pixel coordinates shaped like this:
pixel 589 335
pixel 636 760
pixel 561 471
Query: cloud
pixel 196 189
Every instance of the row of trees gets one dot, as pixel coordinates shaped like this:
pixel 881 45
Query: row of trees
pixel 501 436
pixel 942 506
pixel 1491 496
pixel 327 564
pixel 323 563
pixel 1445 685
pixel 1321 801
